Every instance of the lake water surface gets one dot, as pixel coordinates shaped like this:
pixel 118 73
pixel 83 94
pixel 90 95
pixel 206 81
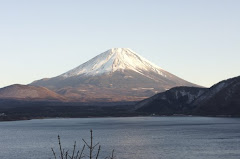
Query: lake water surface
pixel 131 137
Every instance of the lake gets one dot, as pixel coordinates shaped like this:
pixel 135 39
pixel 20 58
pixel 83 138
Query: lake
pixel 130 137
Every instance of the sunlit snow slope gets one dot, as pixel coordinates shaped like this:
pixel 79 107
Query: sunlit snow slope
pixel 118 74
pixel 116 59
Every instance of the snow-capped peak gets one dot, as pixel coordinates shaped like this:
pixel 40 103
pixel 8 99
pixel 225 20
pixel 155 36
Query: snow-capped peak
pixel 115 59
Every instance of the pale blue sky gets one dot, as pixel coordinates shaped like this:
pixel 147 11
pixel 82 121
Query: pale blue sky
pixel 197 40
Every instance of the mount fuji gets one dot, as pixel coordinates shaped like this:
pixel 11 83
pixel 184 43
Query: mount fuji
pixel 118 74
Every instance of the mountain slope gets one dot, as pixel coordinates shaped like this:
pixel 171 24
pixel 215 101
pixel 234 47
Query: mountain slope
pixel 116 59
pixel 222 98
pixel 118 74
pixel 25 92
pixel 177 100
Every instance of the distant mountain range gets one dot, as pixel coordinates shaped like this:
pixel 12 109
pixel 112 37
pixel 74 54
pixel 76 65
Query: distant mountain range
pixel 119 77
pixel 27 92
pixel 118 74
pixel 222 98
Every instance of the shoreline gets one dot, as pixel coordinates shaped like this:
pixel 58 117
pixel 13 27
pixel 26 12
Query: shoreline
pixel 175 115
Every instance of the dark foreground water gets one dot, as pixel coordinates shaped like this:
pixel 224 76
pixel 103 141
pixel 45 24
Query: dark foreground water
pixel 132 138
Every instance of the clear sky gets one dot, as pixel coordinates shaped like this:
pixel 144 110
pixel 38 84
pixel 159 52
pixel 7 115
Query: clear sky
pixel 197 40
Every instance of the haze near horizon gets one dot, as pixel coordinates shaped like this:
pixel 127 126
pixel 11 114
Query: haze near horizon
pixel 197 41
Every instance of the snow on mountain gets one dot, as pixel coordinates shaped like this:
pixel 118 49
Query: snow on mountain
pixel 118 74
pixel 115 59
